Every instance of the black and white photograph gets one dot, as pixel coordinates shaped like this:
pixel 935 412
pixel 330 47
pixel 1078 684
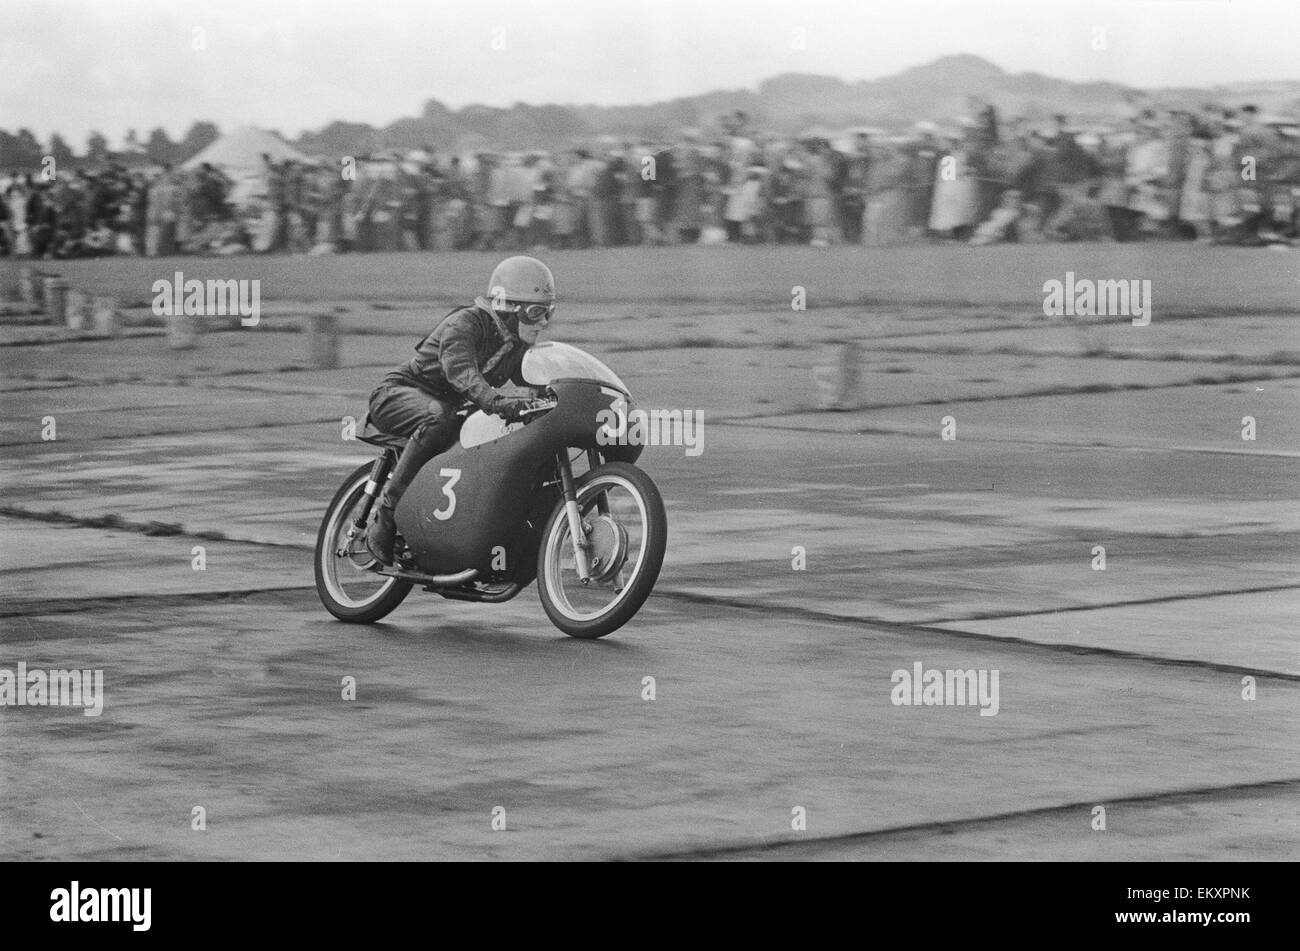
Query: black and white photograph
pixel 648 430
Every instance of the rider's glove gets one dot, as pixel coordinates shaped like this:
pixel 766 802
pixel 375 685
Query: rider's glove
pixel 512 408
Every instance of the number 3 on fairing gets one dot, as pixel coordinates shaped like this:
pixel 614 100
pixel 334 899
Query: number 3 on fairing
pixel 452 476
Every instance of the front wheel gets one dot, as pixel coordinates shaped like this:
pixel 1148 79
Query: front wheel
pixel 623 517
pixel 347 587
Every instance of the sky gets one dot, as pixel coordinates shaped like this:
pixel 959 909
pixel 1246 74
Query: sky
pixel 75 65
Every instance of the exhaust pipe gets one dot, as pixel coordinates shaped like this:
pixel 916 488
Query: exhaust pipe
pixel 432 581
pixel 484 597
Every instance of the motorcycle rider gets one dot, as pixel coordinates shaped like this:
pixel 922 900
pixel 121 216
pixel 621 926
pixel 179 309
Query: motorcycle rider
pixel 471 352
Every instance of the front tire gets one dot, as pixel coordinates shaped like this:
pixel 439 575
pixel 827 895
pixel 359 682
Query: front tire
pixel 344 584
pixel 630 542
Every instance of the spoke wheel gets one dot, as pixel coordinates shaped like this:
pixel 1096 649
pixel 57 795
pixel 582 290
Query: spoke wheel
pixel 627 531
pixel 345 581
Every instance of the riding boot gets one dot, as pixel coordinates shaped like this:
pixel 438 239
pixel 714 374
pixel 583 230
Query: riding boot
pixel 382 534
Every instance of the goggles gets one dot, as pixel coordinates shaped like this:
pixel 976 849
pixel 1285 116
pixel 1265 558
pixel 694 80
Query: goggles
pixel 534 313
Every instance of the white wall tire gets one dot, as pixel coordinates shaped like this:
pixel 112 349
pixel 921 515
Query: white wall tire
pixel 349 592
pixel 603 607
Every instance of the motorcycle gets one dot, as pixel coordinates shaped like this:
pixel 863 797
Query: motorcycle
pixel 504 506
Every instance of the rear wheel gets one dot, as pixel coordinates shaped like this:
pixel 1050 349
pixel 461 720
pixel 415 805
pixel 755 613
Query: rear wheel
pixel 623 517
pixel 347 587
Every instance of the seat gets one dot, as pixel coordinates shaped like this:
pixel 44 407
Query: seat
pixel 385 440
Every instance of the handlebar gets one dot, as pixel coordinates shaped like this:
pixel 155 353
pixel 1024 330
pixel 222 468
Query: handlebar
pixel 538 407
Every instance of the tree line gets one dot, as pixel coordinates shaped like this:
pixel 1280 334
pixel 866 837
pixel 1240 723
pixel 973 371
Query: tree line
pixel 24 151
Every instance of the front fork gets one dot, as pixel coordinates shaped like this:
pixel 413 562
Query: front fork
pixel 602 506
pixel 581 546
pixel 378 476
pixel 602 501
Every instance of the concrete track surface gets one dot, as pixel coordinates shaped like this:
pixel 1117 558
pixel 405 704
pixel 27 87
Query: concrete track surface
pixel 812 555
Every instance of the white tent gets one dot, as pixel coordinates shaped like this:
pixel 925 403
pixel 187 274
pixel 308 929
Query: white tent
pixel 239 155
pixel 242 150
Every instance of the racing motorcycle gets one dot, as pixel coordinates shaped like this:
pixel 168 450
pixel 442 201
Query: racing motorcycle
pixel 505 505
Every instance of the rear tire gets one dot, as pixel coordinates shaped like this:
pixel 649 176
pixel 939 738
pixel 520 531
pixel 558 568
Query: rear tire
pixel 333 528
pixel 555 538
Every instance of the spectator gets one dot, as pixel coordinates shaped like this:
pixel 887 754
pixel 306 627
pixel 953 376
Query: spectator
pixel 1194 208
pixel 820 194
pixel 274 223
pixel 1112 161
pixel 852 190
pixel 1072 177
pixel 955 210
pixel 1147 170
pixel 885 212
pixel 15 200
pixel 688 205
pixel 1224 180
pixel 922 167
pixel 164 203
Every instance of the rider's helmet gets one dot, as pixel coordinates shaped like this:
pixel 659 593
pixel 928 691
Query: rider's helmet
pixel 523 287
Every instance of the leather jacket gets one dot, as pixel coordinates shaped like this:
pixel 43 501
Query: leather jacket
pixel 470 353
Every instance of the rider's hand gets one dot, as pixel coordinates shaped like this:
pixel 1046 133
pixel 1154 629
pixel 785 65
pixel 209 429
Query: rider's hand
pixel 512 408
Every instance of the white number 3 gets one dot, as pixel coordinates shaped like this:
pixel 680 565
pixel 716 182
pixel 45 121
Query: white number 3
pixel 452 476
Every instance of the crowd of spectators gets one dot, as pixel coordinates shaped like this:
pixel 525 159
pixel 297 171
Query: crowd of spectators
pixel 1215 175
pixel 115 210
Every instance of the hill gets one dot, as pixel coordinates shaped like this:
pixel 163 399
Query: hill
pixel 940 91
